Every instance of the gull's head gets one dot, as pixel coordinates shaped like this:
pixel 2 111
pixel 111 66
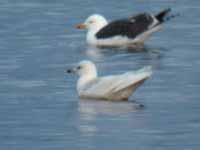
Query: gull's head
pixel 93 22
pixel 84 68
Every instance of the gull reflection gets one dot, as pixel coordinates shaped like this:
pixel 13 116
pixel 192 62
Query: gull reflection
pixel 97 53
pixel 91 108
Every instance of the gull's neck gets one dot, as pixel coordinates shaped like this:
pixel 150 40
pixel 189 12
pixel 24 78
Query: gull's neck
pixel 85 79
pixel 91 34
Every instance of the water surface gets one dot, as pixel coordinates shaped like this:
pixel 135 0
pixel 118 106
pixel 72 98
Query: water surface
pixel 39 106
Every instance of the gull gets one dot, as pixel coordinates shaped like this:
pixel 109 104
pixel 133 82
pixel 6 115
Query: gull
pixel 112 87
pixel 134 30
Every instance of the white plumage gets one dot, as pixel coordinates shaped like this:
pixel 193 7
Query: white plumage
pixel 113 87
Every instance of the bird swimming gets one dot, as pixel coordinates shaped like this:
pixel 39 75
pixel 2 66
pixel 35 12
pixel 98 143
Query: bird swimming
pixel 134 30
pixel 112 87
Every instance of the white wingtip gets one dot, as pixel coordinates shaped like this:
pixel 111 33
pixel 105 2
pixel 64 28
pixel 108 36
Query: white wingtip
pixel 147 69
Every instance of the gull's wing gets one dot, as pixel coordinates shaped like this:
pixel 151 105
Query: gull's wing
pixel 130 27
pixel 112 84
pixel 131 78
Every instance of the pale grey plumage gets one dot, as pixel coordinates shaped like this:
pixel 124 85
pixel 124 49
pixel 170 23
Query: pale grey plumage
pixel 113 87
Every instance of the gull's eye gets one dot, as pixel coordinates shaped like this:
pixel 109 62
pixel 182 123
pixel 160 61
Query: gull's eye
pixel 79 67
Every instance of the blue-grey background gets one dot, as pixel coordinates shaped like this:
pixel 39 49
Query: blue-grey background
pixel 39 106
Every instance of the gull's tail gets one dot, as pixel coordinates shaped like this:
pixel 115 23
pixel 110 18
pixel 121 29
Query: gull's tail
pixel 133 79
pixel 147 71
pixel 163 15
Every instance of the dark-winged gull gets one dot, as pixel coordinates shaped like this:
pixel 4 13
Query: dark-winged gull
pixel 123 32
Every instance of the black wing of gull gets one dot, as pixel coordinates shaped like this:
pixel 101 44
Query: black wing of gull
pixel 130 27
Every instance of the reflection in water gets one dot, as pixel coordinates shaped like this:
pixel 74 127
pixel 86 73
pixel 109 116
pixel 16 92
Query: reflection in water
pixel 95 53
pixel 91 108
pixel 149 55
pixel 99 52
pixel 39 108
pixel 88 129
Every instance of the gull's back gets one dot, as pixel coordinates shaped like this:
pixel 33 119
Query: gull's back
pixel 116 87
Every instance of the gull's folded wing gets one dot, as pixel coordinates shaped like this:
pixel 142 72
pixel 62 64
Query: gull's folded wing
pixel 112 84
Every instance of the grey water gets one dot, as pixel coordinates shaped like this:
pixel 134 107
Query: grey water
pixel 39 105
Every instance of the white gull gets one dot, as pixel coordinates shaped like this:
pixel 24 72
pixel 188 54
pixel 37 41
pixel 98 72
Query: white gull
pixel 112 87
